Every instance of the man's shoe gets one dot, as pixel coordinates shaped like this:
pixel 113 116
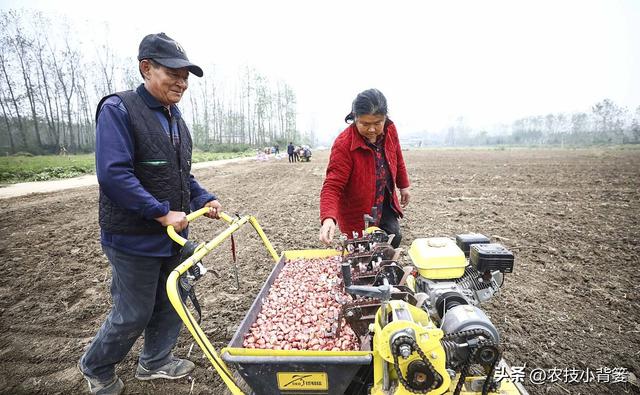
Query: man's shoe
pixel 176 369
pixel 114 386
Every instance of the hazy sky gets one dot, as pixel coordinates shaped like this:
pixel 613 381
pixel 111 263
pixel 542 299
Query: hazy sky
pixel 489 61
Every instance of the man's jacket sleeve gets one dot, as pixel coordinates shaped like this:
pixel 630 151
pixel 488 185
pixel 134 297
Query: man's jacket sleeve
pixel 115 160
pixel 199 195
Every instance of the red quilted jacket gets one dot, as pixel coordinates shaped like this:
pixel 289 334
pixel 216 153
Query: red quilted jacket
pixel 348 191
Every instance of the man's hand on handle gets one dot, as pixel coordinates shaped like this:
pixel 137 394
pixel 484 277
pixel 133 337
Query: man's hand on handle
pixel 327 230
pixel 176 218
pixel 216 208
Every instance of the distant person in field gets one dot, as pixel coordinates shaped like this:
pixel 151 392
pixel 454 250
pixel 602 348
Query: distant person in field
pixel 291 149
pixel 365 167
pixel 296 153
pixel 143 164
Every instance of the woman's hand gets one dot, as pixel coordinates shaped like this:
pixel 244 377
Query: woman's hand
pixel 404 197
pixel 327 230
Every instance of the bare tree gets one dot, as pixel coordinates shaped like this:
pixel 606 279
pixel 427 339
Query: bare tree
pixel 106 60
pixel 22 45
pixel 281 107
pixel 5 44
pixel 43 74
pixel 290 130
pixel 85 114
pixel 610 120
pixel 248 98
pixel 6 117
pixel 66 73
pixel 130 74
pixel 262 101
pixel 634 127
pixel 579 127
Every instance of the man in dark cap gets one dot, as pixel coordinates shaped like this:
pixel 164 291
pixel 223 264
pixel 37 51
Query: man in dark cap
pixel 143 164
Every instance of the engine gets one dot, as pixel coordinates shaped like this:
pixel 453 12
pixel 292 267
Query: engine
pixel 454 278
pixel 427 325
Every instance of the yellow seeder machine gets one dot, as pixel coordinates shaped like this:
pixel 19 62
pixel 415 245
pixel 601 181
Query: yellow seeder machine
pixel 355 320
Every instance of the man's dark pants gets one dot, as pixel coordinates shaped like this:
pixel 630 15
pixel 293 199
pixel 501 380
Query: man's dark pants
pixel 140 304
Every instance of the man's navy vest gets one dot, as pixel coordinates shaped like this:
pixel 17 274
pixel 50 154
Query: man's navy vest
pixel 163 171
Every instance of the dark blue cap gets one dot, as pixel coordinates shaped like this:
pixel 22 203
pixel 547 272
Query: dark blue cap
pixel 167 52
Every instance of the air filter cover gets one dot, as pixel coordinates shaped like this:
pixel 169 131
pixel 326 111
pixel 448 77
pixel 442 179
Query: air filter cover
pixel 465 241
pixel 489 257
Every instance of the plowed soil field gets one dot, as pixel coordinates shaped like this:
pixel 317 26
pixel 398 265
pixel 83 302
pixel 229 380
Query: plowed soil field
pixel 572 218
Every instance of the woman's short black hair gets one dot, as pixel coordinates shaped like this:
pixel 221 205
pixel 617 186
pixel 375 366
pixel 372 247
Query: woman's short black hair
pixel 369 102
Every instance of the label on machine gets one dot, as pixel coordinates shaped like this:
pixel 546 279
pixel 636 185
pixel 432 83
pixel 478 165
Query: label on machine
pixel 303 381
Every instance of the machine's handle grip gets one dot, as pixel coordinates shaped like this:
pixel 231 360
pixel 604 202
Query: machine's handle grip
pixel 192 216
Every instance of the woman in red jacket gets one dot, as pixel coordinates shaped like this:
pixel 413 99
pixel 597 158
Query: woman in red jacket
pixel 364 169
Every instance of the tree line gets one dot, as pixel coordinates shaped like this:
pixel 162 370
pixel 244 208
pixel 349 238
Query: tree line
pixel 255 112
pixel 606 123
pixel 51 83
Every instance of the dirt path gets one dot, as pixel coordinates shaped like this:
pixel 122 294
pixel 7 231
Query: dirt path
pixel 572 217
pixel 26 188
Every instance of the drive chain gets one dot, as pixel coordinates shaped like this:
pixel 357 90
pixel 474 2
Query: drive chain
pixel 414 347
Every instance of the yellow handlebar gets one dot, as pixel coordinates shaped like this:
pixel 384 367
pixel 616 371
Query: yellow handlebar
pixel 190 217
pixel 199 253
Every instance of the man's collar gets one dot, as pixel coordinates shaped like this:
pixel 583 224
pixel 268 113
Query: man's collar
pixel 152 102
